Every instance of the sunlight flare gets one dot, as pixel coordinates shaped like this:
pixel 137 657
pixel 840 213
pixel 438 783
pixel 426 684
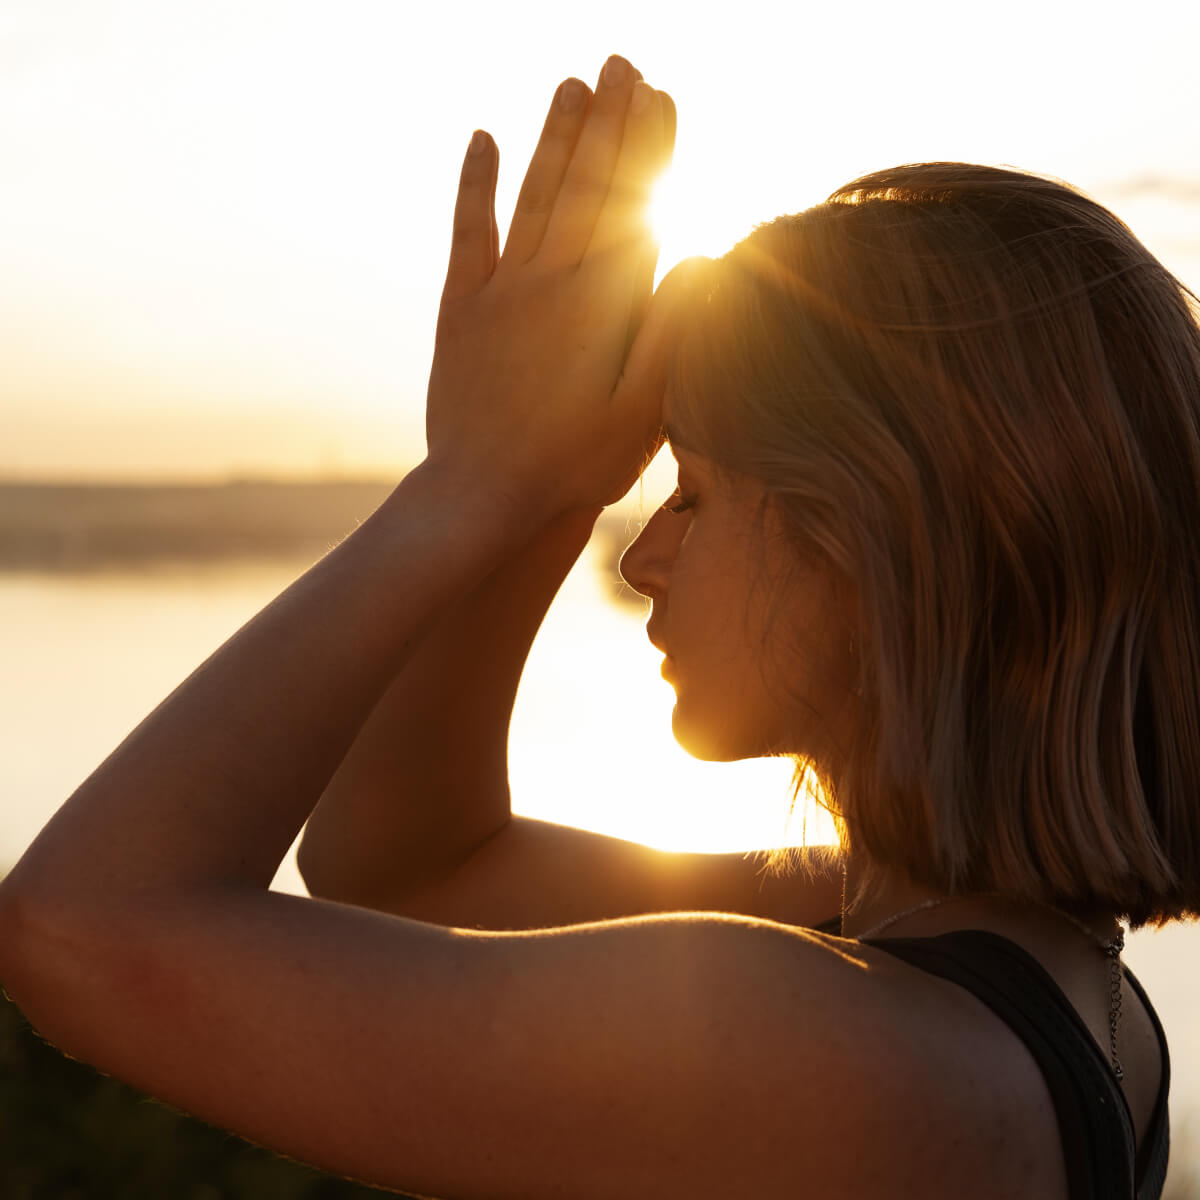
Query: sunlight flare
pixel 690 216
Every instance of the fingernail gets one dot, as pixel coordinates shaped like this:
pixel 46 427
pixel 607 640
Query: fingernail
pixel 643 93
pixel 570 96
pixel 478 142
pixel 616 71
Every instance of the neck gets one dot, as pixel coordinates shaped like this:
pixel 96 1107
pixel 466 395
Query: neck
pixel 897 907
pixel 1051 934
pixel 889 894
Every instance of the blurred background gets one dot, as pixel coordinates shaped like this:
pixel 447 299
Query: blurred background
pixel 224 233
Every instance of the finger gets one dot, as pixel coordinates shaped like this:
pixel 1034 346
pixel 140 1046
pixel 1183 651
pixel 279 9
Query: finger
pixel 644 282
pixel 474 237
pixel 495 235
pixel 586 181
pixel 565 120
pixel 670 122
pixel 623 222
pixel 643 288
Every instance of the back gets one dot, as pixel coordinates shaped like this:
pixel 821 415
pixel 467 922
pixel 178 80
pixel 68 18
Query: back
pixel 1102 1159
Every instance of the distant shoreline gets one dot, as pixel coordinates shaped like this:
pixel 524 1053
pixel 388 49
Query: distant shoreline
pixel 86 526
pixel 83 527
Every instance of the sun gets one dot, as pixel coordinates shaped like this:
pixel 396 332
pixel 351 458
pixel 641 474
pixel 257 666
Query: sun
pixel 689 215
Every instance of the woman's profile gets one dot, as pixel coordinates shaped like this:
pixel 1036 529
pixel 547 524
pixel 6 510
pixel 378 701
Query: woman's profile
pixel 938 442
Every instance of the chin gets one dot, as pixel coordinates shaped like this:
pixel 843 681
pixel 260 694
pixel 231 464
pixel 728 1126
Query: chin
pixel 710 742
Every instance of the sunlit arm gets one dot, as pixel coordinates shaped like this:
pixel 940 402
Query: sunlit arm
pixel 416 820
pixel 211 788
pixel 684 1055
pixel 426 780
pixel 446 1063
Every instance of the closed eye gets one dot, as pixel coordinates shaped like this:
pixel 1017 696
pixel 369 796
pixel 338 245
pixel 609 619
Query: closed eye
pixel 678 503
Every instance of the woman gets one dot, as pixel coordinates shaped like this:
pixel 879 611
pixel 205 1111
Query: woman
pixel 939 451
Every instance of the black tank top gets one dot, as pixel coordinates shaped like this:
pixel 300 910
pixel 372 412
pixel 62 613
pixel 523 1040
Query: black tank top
pixel 1093 1118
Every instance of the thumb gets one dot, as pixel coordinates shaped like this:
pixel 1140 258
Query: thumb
pixel 639 392
pixel 645 375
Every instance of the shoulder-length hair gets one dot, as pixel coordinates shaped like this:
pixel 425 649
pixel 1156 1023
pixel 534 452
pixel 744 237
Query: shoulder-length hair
pixel 976 395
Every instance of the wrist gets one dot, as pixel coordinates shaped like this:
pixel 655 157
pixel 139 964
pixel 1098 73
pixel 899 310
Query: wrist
pixel 507 510
pixel 451 530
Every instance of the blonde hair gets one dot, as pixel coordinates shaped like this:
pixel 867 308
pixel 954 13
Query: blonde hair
pixel 976 395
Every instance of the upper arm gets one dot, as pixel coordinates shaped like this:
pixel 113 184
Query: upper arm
pixel 532 874
pixel 597 1061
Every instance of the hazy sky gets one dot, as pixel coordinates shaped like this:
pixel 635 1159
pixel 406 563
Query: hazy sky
pixel 225 224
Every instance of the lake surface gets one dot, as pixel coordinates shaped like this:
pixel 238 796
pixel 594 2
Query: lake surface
pixel 86 656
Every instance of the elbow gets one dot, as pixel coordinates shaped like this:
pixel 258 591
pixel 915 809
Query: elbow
pixel 329 868
pixel 56 949
pixel 310 866
pixel 320 872
pixel 12 918
pixel 324 880
pixel 26 935
pixel 48 937
pixel 17 919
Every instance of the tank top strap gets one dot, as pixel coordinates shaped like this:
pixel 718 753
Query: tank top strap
pixel 1093 1118
pixel 1155 1149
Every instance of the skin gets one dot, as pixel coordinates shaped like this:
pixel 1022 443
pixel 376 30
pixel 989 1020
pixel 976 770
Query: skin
pixel 703 1054
pixel 757 648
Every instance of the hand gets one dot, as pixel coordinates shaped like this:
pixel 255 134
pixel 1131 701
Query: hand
pixel 531 397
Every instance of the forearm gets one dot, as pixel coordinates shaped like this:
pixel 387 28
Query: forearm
pixel 534 409
pixel 212 787
pixel 426 780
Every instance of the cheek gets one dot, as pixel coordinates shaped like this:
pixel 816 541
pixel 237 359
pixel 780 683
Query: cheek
pixel 709 731
pixel 725 705
pixel 722 718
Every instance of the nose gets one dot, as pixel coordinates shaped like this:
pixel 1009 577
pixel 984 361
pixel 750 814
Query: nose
pixel 646 563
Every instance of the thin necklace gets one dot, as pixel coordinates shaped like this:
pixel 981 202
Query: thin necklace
pixel 1112 947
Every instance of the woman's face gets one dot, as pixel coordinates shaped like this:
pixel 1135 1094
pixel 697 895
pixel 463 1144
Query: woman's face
pixel 757 640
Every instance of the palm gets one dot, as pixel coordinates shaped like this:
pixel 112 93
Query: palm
pixel 531 384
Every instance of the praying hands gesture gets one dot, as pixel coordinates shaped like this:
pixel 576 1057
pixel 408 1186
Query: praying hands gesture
pixel 422 1057
pixel 530 388
pixel 686 1047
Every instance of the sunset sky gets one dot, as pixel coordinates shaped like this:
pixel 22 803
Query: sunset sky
pixel 225 224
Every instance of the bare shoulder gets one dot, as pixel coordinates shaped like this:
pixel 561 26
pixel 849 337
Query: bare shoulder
pixel 891 1081
pixel 972 1108
pixel 700 1054
pixel 788 1054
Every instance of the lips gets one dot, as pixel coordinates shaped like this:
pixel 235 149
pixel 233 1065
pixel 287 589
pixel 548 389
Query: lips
pixel 656 639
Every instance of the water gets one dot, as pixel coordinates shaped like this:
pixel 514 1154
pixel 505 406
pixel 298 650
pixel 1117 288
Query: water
pixel 88 655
